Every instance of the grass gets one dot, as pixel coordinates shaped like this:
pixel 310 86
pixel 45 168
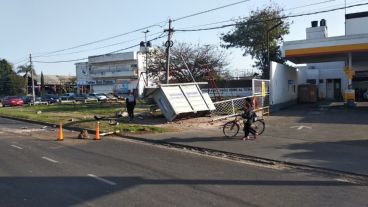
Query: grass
pixel 79 115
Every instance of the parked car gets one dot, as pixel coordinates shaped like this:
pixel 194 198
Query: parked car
pixel 26 99
pixel 50 98
pixel 120 95
pixel 84 98
pixel 99 96
pixel 67 96
pixel 111 97
pixel 12 101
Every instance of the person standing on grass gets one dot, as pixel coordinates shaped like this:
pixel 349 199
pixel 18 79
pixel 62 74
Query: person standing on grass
pixel 130 104
pixel 248 117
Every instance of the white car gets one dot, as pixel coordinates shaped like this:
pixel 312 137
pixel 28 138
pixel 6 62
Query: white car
pixel 99 96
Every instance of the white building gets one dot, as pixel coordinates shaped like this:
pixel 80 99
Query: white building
pixel 334 64
pixel 113 73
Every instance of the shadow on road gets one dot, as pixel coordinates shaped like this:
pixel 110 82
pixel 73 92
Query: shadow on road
pixel 70 191
pixel 326 113
pixel 334 155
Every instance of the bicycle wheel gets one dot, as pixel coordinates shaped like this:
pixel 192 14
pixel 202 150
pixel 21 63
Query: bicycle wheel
pixel 259 126
pixel 230 129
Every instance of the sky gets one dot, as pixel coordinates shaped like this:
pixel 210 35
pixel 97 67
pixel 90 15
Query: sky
pixel 43 26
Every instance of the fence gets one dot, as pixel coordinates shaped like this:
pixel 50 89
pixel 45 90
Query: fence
pixel 261 90
pixel 261 96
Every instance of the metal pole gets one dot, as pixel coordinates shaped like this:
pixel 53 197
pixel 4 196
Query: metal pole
pixel 146 54
pixel 345 18
pixel 268 47
pixel 268 52
pixel 168 45
pixel 350 63
pixel 33 89
pixel 232 105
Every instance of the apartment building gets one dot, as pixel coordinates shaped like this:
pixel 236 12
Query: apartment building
pixel 112 73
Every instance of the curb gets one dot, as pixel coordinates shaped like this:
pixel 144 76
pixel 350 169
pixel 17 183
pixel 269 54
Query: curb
pixel 47 124
pixel 354 177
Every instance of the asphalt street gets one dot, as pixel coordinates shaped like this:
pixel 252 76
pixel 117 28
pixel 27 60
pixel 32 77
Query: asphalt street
pixel 116 172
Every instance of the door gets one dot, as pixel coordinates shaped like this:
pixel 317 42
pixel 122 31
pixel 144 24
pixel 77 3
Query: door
pixel 337 89
pixel 329 89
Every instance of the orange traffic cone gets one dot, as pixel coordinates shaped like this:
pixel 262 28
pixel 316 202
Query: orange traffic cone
pixel 61 136
pixel 97 131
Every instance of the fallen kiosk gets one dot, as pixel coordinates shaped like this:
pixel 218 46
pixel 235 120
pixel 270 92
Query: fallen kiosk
pixel 182 100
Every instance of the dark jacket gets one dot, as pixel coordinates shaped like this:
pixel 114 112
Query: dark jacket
pixel 248 112
pixel 130 101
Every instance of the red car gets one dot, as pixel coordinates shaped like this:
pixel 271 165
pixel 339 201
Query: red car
pixel 12 101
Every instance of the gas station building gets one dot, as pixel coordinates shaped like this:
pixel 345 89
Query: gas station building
pixel 337 65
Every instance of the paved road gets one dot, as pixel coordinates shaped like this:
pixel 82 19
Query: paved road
pixel 326 137
pixel 113 172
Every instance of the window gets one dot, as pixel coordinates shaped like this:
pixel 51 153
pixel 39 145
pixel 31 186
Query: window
pixel 320 81
pixel 311 81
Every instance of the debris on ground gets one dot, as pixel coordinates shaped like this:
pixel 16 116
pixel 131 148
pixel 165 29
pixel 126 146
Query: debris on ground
pixel 83 135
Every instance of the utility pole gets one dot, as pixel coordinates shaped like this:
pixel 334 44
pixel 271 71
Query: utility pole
pixel 146 55
pixel 33 89
pixel 268 47
pixel 168 45
pixel 345 18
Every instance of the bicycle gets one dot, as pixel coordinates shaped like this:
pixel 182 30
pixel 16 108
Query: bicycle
pixel 231 128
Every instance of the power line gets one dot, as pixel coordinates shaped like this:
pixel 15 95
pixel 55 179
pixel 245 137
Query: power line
pixel 336 5
pixel 245 18
pixel 81 59
pixel 104 39
pixel 61 61
pixel 43 54
pixel 91 49
pixel 23 60
pixel 210 10
pixel 308 5
pixel 255 22
pixel 143 28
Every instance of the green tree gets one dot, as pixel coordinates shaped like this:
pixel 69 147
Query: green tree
pixel 24 69
pixel 250 35
pixel 199 59
pixel 42 85
pixel 10 82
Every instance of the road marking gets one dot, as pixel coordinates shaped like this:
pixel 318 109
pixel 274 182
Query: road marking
pixel 301 127
pixel 15 146
pixel 345 180
pixel 101 179
pixel 49 159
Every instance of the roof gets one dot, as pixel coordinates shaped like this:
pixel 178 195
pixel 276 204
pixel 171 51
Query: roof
pixel 330 48
pixel 356 15
pixel 54 79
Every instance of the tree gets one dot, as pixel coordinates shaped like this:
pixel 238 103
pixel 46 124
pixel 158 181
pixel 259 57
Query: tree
pixel 250 35
pixel 10 83
pixel 24 69
pixel 198 58
pixel 42 85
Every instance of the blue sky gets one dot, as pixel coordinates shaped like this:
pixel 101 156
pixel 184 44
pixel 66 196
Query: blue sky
pixel 39 26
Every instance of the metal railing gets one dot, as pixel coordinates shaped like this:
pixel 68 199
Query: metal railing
pixel 231 107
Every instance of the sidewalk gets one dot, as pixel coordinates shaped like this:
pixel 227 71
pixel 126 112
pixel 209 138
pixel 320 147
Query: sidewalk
pixel 332 138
